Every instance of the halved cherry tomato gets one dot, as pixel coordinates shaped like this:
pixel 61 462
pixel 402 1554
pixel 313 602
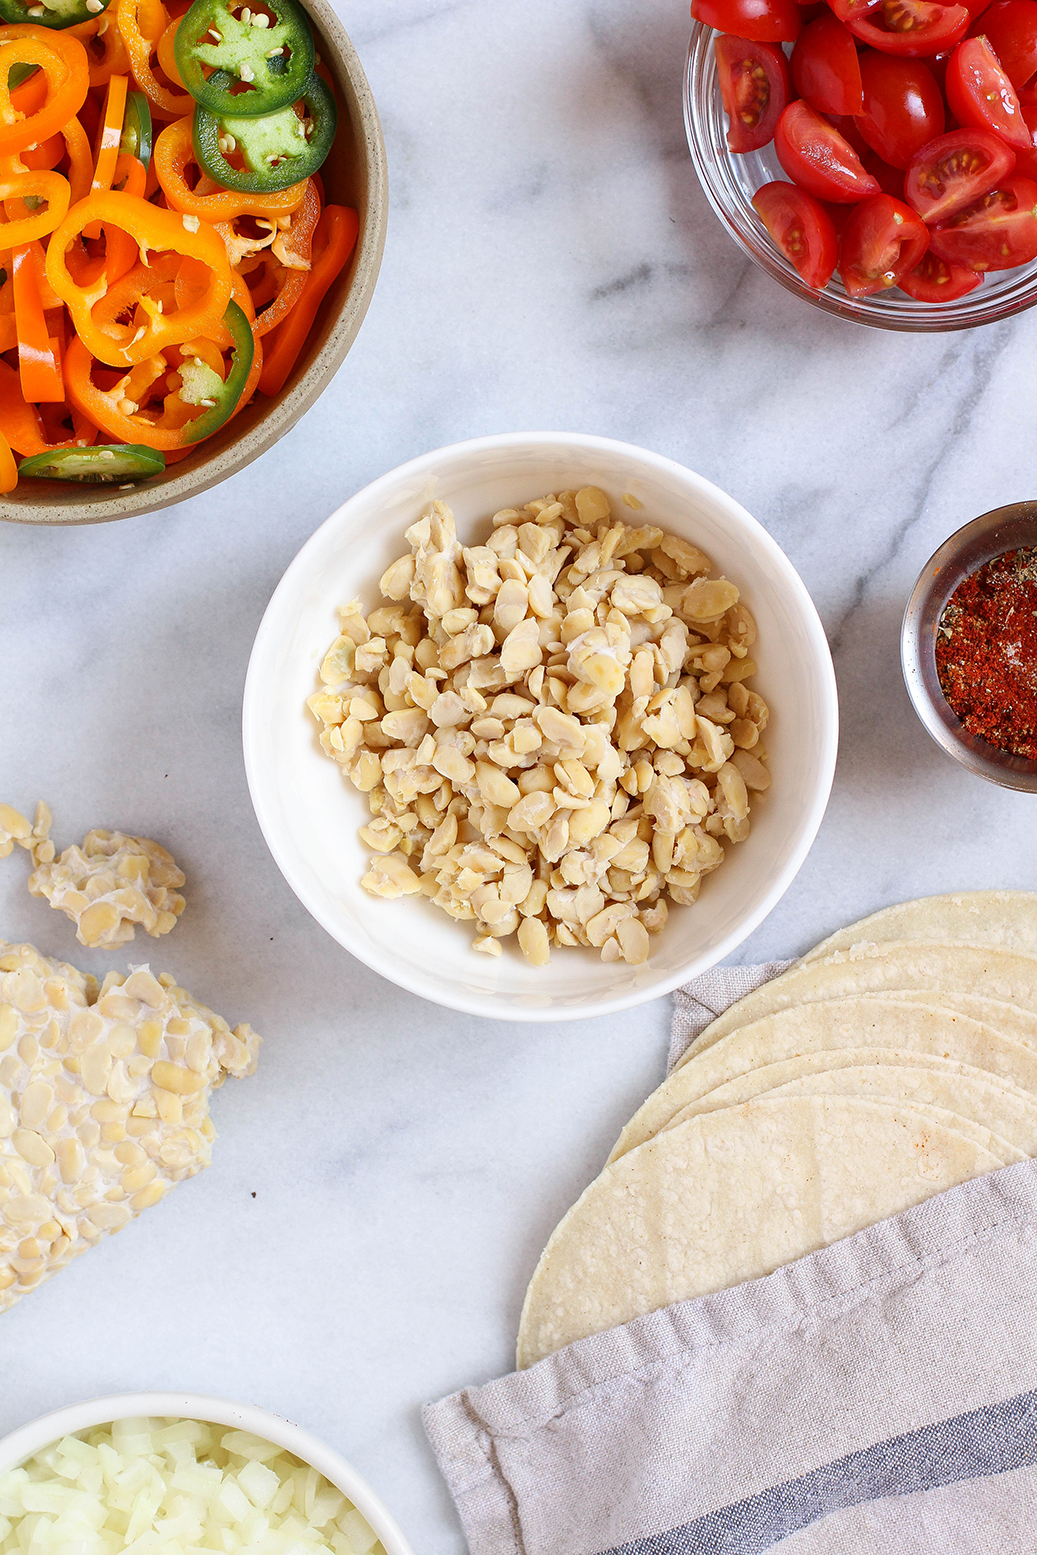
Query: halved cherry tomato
pixel 754 86
pixel 1010 27
pixel 819 159
pixel 934 280
pixel 980 95
pixel 801 229
pixel 954 171
pixel 825 69
pixel 996 233
pixel 846 10
pixel 765 21
pixel 915 28
pixel 903 108
pixel 890 179
pixel 881 242
pixel 1025 161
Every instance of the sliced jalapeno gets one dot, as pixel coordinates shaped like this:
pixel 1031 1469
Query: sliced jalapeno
pixel 111 462
pixel 136 128
pixel 49 13
pixel 244 63
pixel 201 385
pixel 278 150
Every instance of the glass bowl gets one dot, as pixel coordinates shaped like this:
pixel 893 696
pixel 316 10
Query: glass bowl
pixel 1003 529
pixel 731 181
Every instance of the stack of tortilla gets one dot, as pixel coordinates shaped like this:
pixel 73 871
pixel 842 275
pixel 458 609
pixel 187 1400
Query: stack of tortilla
pixel 895 1060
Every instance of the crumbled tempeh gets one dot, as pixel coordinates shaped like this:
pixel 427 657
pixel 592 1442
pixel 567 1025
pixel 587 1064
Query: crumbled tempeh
pixel 104 1104
pixel 111 883
pixel 552 729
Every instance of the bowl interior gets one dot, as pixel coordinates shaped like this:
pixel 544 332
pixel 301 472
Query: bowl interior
pixel 310 814
pixel 730 182
pixel 353 175
pixel 38 1434
pixel 1003 529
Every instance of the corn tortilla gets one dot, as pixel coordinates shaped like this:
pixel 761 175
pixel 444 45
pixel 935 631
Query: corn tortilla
pixel 918 1026
pixel 946 971
pixel 882 1075
pixel 1004 920
pixel 731 1196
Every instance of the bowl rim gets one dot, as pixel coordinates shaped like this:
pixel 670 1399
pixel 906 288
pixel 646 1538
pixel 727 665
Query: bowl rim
pixel 768 259
pixel 396 970
pixel 25 1440
pixel 962 553
pixel 107 506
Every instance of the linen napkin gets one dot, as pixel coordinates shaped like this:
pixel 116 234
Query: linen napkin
pixel 879 1395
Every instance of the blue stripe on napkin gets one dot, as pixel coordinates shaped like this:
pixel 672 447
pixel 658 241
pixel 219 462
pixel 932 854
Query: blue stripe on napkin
pixel 983 1442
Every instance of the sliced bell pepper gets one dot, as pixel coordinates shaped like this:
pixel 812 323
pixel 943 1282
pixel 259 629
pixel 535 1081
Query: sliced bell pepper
pixel 106 462
pixel 81 163
pixel 49 13
pixel 105 50
pixel 278 150
pixel 45 156
pixel 102 405
pixel 140 44
pixel 120 247
pixel 39 355
pixel 166 51
pixel 21 425
pixel 8 468
pixel 50 189
pixel 109 135
pixel 153 229
pixel 240 64
pixel 333 243
pixel 174 154
pixel 63 65
pixel 291 254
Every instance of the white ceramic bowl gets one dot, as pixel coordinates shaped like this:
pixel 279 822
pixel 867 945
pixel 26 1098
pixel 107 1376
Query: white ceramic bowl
pixel 309 814
pixel 30 1439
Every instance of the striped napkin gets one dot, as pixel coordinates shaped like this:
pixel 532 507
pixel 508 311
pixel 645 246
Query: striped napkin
pixel 877 1396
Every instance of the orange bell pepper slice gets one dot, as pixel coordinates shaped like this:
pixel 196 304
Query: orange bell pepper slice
pixel 80 159
pixel 21 425
pixel 134 19
pixel 39 355
pixel 8 468
pixel 105 49
pixel 102 405
pixel 152 229
pixel 174 154
pixel 110 134
pixel 63 66
pixel 24 225
pixel 334 241
pixel 166 55
pixel 46 155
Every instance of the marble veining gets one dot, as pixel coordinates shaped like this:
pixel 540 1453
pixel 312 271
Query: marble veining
pixel 383 1186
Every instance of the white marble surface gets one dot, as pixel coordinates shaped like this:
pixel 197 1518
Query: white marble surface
pixel 382 1187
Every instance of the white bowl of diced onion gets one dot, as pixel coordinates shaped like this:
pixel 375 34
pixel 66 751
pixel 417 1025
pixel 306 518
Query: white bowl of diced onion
pixel 177 1469
pixel 310 816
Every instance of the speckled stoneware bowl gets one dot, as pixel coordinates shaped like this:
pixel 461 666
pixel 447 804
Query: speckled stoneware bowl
pixel 354 174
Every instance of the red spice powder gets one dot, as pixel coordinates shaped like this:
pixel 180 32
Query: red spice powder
pixel 986 652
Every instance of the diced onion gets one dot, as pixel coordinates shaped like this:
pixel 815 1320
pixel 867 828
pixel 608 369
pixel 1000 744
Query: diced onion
pixel 174 1487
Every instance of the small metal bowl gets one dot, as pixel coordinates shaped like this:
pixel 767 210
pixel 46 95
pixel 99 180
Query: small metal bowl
pixel 1003 529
